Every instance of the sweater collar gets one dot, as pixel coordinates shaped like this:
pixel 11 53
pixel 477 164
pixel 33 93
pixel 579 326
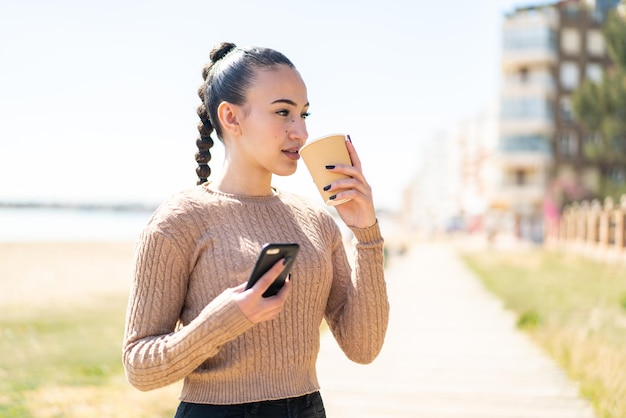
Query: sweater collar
pixel 274 197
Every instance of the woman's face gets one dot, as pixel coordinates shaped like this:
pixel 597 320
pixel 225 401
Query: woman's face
pixel 272 123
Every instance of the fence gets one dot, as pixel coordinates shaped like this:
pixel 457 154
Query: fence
pixel 594 228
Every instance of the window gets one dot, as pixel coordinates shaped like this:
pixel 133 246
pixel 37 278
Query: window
pixel 529 38
pixel 565 109
pixel 618 175
pixel 526 108
pixel 525 143
pixel 569 75
pixel 593 71
pixel 595 43
pixel 572 11
pixel 570 41
pixel 567 143
pixel 618 144
pixel 593 139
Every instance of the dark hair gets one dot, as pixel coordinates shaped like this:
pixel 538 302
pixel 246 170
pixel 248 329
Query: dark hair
pixel 227 77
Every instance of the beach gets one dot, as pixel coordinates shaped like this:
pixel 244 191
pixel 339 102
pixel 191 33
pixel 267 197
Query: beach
pixel 42 274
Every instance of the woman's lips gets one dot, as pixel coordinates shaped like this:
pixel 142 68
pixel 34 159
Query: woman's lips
pixel 292 154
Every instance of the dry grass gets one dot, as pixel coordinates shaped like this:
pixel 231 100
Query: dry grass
pixel 112 400
pixel 574 308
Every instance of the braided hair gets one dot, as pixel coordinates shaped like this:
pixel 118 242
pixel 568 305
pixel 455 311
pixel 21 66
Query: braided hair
pixel 227 78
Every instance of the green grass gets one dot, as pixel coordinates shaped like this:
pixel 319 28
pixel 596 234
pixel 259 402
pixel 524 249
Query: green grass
pixel 575 308
pixel 57 362
pixel 66 362
pixel 51 348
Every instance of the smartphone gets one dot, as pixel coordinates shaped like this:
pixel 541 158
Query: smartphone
pixel 270 254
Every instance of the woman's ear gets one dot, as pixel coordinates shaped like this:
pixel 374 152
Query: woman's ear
pixel 228 113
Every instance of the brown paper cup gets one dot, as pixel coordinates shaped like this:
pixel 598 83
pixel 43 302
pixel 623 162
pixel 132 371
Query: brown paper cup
pixel 317 154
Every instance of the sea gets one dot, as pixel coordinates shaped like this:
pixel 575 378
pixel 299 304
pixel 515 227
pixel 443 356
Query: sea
pixel 63 224
pixel 53 224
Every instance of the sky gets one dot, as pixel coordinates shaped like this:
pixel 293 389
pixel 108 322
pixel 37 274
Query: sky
pixel 98 98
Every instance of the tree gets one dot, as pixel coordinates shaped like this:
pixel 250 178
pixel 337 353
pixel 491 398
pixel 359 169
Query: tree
pixel 600 108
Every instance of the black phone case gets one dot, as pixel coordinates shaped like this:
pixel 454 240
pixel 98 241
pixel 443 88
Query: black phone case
pixel 270 254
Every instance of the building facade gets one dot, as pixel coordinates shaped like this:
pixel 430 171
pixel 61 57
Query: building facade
pixel 528 89
pixel 581 55
pixel 547 52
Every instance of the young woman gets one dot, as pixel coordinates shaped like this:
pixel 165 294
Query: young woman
pixel 190 316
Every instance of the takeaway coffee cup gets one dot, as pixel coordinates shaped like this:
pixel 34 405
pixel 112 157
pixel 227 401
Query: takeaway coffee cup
pixel 317 154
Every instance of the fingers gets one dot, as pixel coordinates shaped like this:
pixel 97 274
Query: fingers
pixel 266 280
pixel 355 170
pixel 356 183
pixel 240 288
pixel 354 156
pixel 359 210
pixel 251 301
pixel 282 294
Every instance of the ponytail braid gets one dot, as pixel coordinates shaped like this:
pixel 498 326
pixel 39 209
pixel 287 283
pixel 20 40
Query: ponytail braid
pixel 227 77
pixel 204 142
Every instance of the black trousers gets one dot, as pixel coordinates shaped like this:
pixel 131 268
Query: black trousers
pixel 307 406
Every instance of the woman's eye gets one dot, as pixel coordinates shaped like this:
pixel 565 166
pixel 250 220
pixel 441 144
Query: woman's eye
pixel 283 113
pixel 306 115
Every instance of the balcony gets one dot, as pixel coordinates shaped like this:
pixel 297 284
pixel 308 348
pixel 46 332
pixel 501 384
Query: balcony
pixel 512 196
pixel 513 60
pixel 525 144
pixel 524 115
pixel 526 126
pixel 529 39
pixel 523 158
pixel 528 82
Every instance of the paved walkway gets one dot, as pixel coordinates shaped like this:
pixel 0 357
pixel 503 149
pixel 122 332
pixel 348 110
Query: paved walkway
pixel 451 352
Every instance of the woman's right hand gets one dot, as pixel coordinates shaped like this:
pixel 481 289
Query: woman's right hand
pixel 251 301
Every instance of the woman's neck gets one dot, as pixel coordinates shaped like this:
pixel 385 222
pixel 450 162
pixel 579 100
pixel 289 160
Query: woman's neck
pixel 243 184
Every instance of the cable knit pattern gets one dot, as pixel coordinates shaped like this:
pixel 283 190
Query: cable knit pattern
pixel 182 323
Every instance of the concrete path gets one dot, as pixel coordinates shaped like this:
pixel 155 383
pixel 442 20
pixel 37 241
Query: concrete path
pixel 451 352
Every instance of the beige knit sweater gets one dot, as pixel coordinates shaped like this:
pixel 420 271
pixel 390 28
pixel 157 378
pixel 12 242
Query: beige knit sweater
pixel 181 322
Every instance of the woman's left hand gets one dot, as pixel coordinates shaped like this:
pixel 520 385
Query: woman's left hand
pixel 359 211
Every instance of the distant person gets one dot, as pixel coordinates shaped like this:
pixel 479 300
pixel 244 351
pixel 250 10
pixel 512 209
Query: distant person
pixel 189 314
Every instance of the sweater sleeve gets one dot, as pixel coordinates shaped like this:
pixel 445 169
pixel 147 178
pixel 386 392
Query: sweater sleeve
pixel 358 307
pixel 156 351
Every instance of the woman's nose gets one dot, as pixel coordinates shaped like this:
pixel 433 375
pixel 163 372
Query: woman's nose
pixel 299 131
